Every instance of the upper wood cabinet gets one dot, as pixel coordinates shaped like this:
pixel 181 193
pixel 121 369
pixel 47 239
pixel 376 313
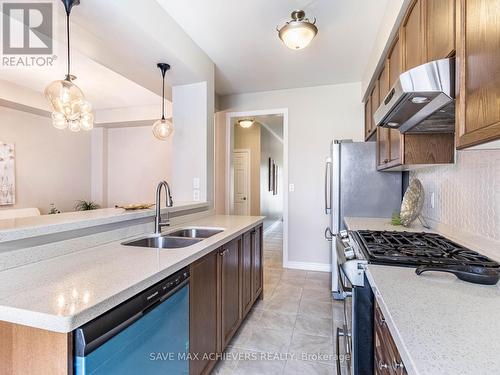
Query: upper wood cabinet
pixel 395 62
pixel 368 117
pixel 412 36
pixel 478 55
pixel 439 28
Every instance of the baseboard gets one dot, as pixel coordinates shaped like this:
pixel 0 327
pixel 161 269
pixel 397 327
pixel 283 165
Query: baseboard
pixel 323 267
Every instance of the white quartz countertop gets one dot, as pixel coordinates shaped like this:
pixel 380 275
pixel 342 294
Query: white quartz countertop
pixel 25 227
pixel 63 293
pixel 440 324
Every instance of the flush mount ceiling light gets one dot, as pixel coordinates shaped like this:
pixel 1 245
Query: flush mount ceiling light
pixel 163 127
pixel 245 123
pixel 298 32
pixel 70 109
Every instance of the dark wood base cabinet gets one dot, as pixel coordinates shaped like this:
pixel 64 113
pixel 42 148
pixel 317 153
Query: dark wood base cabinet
pixel 387 358
pixel 224 285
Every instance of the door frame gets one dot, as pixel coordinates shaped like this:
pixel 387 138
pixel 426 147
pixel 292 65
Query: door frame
pixel 229 164
pixel 249 179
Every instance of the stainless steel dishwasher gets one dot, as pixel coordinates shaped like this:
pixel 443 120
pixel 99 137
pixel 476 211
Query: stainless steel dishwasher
pixel 147 334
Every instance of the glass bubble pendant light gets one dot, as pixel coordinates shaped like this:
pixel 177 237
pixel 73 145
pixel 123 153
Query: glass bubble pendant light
pixel 163 127
pixel 70 109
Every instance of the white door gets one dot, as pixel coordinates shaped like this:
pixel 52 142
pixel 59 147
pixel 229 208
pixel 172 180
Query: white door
pixel 241 159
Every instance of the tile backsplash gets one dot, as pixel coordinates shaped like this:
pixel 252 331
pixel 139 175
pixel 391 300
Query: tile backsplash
pixel 466 194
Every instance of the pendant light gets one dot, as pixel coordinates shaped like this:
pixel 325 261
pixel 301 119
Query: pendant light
pixel 298 32
pixel 70 109
pixel 163 127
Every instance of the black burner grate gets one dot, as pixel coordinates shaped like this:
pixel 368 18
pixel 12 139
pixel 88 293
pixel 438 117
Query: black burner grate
pixel 413 249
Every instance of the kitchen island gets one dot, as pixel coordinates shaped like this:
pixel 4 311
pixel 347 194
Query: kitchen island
pixel 440 325
pixel 51 298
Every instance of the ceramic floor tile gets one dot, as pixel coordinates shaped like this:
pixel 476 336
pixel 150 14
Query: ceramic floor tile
pixel 285 304
pixel 277 320
pixel 317 295
pixel 267 340
pixel 314 326
pixel 312 348
pixel 321 276
pixel 295 367
pixel 316 309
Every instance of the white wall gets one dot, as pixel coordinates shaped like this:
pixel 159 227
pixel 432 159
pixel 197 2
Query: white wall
pixel 190 140
pixel 271 206
pixel 316 115
pixel 136 162
pixel 52 166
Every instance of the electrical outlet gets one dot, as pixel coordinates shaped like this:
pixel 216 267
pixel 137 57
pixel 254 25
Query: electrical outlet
pixel 291 187
pixel 196 195
pixel 433 200
pixel 196 183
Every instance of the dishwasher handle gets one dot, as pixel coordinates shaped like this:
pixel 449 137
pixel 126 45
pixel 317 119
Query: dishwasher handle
pixel 95 333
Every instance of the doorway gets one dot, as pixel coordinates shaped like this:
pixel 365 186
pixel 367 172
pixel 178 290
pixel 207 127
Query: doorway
pixel 256 168
pixel 242 178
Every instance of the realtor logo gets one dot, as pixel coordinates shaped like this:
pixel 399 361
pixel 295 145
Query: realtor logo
pixel 27 28
pixel 27 34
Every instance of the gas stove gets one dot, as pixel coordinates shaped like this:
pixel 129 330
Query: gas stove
pixel 416 249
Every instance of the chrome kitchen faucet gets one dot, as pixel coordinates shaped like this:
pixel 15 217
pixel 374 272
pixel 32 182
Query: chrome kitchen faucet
pixel 169 203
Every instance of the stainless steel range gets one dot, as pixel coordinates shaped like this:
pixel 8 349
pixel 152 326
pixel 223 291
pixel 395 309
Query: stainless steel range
pixel 425 251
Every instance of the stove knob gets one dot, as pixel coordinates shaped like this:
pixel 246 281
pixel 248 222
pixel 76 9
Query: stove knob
pixel 349 253
pixel 343 234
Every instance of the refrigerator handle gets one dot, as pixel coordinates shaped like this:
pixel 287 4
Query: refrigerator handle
pixel 328 201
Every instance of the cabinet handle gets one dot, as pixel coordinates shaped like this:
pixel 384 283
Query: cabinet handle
pixel 397 365
pixel 382 365
pixel 222 253
pixel 386 161
pixel 381 320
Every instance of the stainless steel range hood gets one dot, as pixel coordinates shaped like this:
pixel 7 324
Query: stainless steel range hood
pixel 422 100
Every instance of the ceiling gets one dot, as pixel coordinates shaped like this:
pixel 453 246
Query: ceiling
pixel 241 38
pixel 102 87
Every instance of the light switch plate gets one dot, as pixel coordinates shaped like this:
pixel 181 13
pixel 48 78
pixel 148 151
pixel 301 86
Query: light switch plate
pixel 291 187
pixel 196 183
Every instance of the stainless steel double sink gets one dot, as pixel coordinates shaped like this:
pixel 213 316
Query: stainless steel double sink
pixel 176 239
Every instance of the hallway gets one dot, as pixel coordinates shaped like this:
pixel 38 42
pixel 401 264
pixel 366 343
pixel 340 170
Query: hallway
pixel 291 330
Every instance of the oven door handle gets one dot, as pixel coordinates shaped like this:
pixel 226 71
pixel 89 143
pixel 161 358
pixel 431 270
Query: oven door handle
pixel 340 333
pixel 344 290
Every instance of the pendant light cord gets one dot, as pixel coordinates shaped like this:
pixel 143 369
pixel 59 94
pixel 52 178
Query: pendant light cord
pixel 68 45
pixel 163 96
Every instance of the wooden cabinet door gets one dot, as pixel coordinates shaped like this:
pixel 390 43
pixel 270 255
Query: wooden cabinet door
pixel 478 53
pixel 394 62
pixel 257 270
pixel 203 313
pixel 439 28
pixel 229 260
pixel 246 272
pixel 368 116
pixel 383 133
pixel 412 36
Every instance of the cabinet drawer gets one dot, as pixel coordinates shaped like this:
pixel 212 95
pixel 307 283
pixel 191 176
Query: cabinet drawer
pixel 387 358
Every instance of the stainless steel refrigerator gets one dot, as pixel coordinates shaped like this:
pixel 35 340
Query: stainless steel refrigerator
pixel 354 187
